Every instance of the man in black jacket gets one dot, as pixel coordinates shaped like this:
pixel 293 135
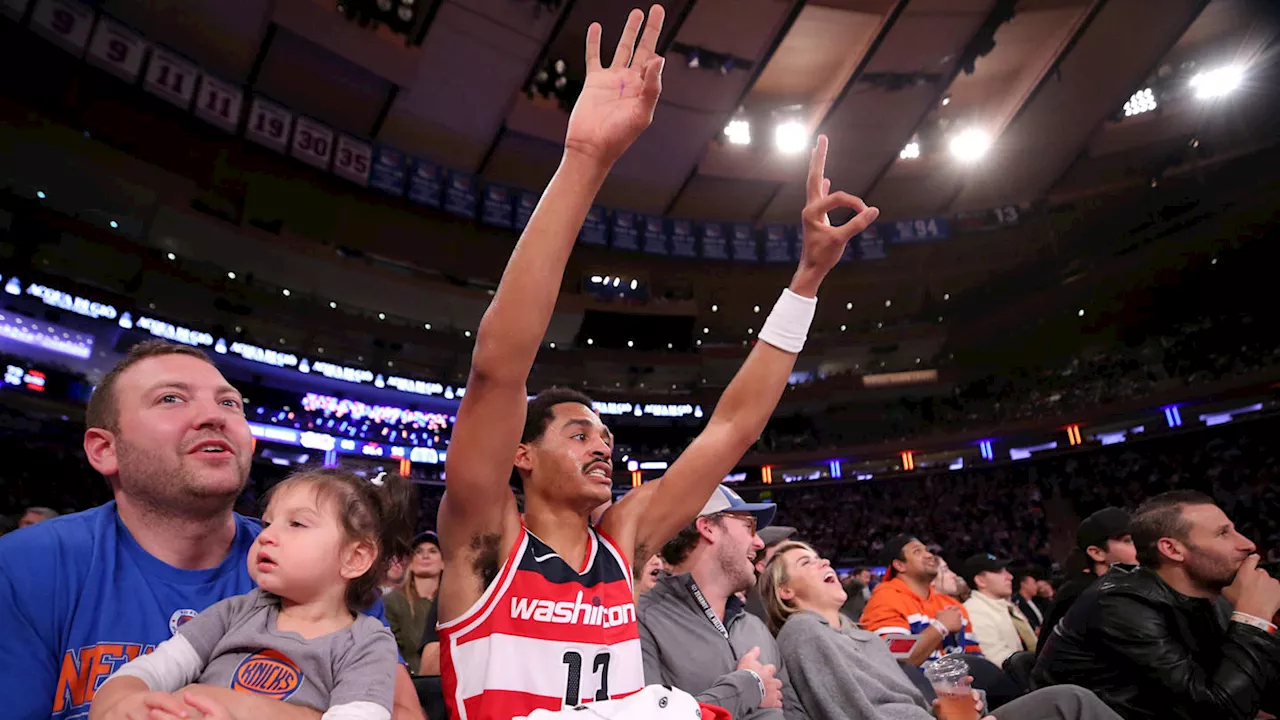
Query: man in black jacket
pixel 1160 641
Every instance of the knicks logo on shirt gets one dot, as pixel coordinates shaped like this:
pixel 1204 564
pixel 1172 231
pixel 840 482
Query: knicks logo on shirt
pixel 179 618
pixel 268 673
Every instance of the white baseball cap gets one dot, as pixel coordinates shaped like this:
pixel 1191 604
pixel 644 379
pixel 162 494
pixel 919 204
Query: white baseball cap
pixel 726 500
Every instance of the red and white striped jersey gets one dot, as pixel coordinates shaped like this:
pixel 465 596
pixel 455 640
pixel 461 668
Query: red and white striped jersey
pixel 544 635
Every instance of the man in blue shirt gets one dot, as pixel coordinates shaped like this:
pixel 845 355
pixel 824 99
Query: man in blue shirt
pixel 82 594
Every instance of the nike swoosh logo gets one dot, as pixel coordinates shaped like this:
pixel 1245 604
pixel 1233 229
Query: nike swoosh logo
pixel 548 556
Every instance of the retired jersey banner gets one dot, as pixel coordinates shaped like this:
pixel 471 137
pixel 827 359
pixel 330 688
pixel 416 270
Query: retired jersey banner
pixel 117 49
pixel 66 23
pixel 745 248
pixel 171 77
pixel 312 142
pixel 351 160
pixel 683 242
pixel 269 124
pixel 626 236
pixel 389 170
pixel 219 103
pixel 426 182
pixel 526 203
pixel 460 194
pixel 655 235
pixel 714 244
pixel 595 228
pixel 495 210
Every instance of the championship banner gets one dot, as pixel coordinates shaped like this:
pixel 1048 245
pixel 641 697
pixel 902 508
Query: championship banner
pixel 388 171
pixel 218 103
pixel 868 247
pixel 920 230
pixel 117 49
pixel 312 142
pixel 654 238
pixel 526 203
pixel 594 228
pixel 171 77
pixel 625 234
pixel 460 194
pixel 745 247
pixel 778 239
pixel 683 242
pixel 714 244
pixel 351 160
pixel 269 124
pixel 426 182
pixel 496 209
pixel 66 23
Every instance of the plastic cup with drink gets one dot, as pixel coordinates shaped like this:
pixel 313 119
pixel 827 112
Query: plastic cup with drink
pixel 949 676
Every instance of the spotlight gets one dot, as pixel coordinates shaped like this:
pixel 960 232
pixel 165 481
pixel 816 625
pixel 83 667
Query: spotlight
pixel 426 326
pixel 114 224
pixel 738 132
pixel 285 291
pixel 910 152
pixel 791 137
pixel 334 306
pixel 635 284
pixel 1216 83
pixel 171 256
pixel 1142 101
pixel 715 308
pixel 970 144
pixel 231 276
pixel 40 194
pixel 382 316
pixel 595 279
pixel 1081 313
pixel 631 343
pixel 466 333
pixel 946 100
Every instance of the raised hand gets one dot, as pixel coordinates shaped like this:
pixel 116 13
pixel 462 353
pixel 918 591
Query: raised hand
pixel 617 102
pixel 823 243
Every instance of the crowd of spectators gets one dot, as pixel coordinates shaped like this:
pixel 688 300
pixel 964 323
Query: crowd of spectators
pixel 1021 510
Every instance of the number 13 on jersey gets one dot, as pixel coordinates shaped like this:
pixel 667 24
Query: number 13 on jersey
pixel 581 679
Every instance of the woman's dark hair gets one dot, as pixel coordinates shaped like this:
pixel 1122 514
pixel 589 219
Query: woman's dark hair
pixel 378 510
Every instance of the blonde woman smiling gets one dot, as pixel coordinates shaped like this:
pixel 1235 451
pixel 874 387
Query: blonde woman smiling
pixel 841 672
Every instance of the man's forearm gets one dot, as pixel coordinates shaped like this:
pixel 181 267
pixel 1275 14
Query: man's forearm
pixel 244 706
pixel 929 641
pixel 516 321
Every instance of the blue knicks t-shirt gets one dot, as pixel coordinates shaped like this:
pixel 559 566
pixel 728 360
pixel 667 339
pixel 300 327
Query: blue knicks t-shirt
pixel 79 598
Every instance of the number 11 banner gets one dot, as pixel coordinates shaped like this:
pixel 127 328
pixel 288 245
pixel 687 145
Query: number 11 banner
pixel 218 103
pixel 171 77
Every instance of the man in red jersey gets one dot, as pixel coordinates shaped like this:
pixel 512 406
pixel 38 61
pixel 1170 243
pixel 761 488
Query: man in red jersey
pixel 536 609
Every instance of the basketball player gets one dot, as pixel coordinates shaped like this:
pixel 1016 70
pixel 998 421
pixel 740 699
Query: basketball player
pixel 536 610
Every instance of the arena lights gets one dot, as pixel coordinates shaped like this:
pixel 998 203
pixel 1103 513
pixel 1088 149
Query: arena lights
pixel 791 136
pixel 1073 435
pixel 1218 82
pixel 715 308
pixel 40 194
pixel 738 132
pixel 171 256
pixel 766 474
pixel 970 145
pixel 1172 416
pixel 988 452
pixel 908 460
pixel 1142 101
pixel 114 225
pixel 910 152
pixel 833 467
pixel 635 478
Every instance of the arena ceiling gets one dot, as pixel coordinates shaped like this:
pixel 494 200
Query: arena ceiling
pixel 1045 79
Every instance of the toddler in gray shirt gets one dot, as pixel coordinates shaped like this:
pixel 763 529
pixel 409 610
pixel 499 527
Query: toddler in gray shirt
pixel 298 638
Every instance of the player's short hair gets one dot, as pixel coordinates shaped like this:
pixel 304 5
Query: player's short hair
pixel 102 411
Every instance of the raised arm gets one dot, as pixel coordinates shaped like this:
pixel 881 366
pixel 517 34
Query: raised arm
pixel 615 106
pixel 674 500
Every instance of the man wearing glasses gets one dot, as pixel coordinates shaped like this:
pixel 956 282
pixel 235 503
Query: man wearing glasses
pixel 695 633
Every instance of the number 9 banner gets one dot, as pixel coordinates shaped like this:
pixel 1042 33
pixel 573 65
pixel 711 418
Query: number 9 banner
pixel 117 49
pixel 65 22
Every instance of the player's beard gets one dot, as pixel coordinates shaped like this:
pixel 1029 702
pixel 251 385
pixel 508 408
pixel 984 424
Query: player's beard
pixel 165 483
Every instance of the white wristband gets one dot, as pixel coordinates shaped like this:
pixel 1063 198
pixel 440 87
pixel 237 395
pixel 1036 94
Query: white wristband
pixel 1261 623
pixel 788 324
pixel 936 624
